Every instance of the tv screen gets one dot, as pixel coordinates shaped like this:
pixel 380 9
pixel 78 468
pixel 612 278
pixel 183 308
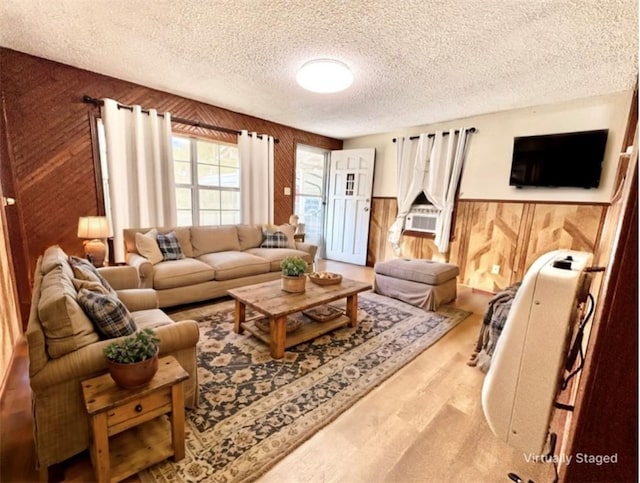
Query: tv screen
pixel 571 159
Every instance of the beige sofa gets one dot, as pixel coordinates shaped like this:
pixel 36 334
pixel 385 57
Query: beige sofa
pixel 65 348
pixel 217 258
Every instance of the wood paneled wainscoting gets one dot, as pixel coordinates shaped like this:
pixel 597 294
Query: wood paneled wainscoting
pixel 511 235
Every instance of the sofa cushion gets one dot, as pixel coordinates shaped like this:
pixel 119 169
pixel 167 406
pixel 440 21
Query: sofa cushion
pixel 66 326
pixel 152 318
pixel 275 255
pixel 275 240
pixel 235 264
pixel 147 246
pixel 109 315
pixel 54 257
pixel 249 236
pixel 84 270
pixel 181 273
pixel 213 239
pixel 170 246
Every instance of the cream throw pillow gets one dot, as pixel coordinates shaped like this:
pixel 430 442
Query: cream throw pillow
pixel 147 246
pixel 288 230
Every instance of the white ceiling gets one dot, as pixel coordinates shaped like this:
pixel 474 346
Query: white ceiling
pixel 415 61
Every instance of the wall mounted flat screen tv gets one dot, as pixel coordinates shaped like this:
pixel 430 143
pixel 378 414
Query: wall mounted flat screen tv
pixel 572 159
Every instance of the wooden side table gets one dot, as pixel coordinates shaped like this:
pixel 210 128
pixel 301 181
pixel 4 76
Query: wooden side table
pixel 129 431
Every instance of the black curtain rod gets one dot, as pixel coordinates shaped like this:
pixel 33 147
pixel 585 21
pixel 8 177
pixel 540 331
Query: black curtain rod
pixel 445 133
pixel 179 120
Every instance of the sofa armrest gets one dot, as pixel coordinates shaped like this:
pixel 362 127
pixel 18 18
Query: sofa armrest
pixel 90 360
pixel 144 268
pixel 121 277
pixel 139 299
pixel 36 343
pixel 307 247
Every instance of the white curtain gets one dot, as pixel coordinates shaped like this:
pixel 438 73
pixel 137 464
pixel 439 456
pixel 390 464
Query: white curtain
pixel 441 182
pixel 256 177
pixel 140 165
pixel 424 166
pixel 411 169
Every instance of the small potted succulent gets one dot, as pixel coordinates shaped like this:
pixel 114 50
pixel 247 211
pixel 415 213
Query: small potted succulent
pixel 293 274
pixel 133 361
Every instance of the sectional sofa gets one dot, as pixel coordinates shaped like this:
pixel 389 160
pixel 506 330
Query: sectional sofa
pixel 212 259
pixel 66 347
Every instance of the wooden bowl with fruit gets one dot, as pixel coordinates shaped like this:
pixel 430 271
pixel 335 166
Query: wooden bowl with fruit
pixel 325 278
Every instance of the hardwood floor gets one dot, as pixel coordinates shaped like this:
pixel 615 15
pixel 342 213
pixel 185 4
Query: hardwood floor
pixel 423 424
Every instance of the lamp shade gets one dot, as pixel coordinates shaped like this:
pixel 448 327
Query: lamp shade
pixel 93 227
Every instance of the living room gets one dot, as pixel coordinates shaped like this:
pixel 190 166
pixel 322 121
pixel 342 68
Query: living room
pixel 495 224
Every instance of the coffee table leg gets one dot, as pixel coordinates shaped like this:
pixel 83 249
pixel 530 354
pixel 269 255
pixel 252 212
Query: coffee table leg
pixel 352 309
pixel 278 334
pixel 240 315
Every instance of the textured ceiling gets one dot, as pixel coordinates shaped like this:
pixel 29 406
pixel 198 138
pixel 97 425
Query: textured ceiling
pixel 415 62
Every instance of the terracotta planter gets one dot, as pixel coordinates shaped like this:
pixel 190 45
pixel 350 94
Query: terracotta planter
pixel 136 374
pixel 293 284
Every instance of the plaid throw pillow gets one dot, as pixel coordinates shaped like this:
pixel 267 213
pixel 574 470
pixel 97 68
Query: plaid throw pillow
pixel 109 315
pixel 275 240
pixel 84 270
pixel 169 246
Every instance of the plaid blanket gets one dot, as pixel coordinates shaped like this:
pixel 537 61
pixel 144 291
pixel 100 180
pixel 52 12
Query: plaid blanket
pixel 492 324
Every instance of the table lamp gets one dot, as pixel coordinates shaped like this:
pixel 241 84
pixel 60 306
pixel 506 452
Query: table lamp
pixel 94 229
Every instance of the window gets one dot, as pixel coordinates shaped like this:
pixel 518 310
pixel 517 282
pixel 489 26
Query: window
pixel 207 178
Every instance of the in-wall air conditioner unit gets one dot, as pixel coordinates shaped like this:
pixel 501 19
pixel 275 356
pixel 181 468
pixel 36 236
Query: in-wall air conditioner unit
pixel 422 218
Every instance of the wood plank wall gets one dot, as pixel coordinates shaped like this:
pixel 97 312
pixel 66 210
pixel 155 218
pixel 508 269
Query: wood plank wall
pixel 50 147
pixel 511 235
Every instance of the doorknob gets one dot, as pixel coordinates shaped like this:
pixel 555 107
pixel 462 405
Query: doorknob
pixel 8 201
pixel 366 208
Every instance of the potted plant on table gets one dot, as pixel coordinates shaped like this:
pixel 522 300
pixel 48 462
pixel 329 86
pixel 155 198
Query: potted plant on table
pixel 133 361
pixel 293 274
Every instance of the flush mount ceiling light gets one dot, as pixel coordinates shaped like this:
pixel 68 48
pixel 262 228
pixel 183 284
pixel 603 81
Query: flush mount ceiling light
pixel 324 76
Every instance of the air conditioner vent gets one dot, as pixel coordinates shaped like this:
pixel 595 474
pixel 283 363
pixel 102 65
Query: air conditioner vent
pixel 422 218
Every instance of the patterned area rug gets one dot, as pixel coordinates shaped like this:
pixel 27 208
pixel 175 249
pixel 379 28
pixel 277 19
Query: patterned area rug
pixel 254 410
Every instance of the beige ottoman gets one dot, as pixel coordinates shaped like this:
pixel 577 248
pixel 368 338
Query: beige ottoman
pixel 423 283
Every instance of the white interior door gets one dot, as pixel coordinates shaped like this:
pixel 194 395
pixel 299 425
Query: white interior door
pixel 348 205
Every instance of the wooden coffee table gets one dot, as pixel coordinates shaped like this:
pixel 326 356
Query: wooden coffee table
pixel 269 299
